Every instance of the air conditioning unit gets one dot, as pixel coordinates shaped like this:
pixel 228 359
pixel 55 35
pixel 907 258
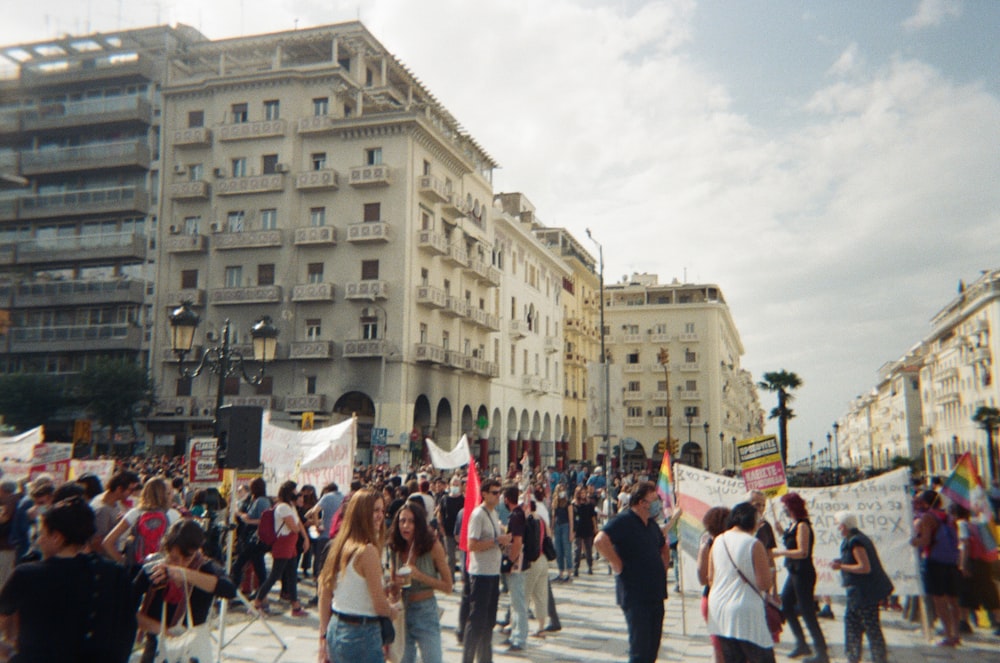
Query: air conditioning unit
pixel 179 409
pixel 175 230
pixel 179 169
pixel 219 173
pixel 281 168
pixel 215 228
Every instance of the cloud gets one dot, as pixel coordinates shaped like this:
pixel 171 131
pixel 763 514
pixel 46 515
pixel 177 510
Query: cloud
pixel 932 13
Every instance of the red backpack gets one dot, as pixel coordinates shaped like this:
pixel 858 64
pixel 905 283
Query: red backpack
pixel 265 528
pixel 147 533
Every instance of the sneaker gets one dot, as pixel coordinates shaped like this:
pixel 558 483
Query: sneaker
pixel 825 613
pixel 948 642
pixel 801 649
pixel 552 628
pixel 515 648
pixel 299 612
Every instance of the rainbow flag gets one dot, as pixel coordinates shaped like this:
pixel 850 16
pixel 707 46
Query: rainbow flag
pixel 665 484
pixel 963 486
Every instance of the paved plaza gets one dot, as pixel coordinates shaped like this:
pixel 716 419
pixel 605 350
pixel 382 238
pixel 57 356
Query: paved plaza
pixel 593 630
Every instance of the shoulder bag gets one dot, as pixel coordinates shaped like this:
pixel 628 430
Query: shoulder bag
pixel 195 643
pixel 772 606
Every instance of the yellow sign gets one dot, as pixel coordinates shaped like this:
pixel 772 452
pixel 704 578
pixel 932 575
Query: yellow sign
pixel 308 420
pixel 760 460
pixel 81 432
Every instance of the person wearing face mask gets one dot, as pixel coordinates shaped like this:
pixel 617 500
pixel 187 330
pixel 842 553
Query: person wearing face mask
pixel 448 509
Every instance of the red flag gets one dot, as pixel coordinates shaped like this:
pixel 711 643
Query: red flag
pixel 472 499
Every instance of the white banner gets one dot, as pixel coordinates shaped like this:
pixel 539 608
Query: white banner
pixel 21 447
pixel 882 506
pixel 314 457
pixel 104 469
pixel 449 460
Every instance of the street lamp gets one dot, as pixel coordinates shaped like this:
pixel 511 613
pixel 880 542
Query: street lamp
pixel 829 450
pixel 736 459
pixel 607 376
pixel 836 448
pixel 707 464
pixel 664 358
pixel 812 463
pixel 222 360
pixel 722 447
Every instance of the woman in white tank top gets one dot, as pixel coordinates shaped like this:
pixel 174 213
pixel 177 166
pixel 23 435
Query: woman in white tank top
pixel 351 592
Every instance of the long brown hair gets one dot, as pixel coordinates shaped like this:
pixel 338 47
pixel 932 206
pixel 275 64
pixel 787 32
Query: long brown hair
pixel 357 531
pixel 423 535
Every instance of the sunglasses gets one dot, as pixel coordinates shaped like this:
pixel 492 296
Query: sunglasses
pixel 494 492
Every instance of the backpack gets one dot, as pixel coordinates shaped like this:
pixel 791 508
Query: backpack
pixel 532 541
pixel 265 528
pixel 147 533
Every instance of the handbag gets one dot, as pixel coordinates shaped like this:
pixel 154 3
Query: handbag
pixel 194 644
pixel 395 631
pixel 772 606
pixel 549 548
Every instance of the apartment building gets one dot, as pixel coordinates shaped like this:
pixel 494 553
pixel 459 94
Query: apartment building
pixel 700 391
pixel 80 121
pixel 581 309
pixel 311 178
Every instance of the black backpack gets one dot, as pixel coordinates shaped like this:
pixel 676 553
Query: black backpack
pixel 532 545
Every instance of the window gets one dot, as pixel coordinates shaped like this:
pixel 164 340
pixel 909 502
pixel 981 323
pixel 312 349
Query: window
pixel 369 328
pixel 234 221
pixel 660 411
pixel 691 385
pixel 196 119
pixel 424 276
pixel 632 358
pixel 660 328
pixel 183 387
pixel 691 411
pixel 191 224
pixel 269 164
pixel 631 329
pixel 373 156
pixel 317 216
pixel 189 278
pixel 234 276
pixel 314 272
pixel 426 222
pixel 369 270
pixel 634 386
pixel 239 167
pixel 513 360
pixel 310 384
pixel 268 219
pixel 427 167
pixel 231 386
pixel 265 387
pixel 239 112
pixel 447 286
pixel 634 411
pixel 195 172
pixel 688 327
pixel 272 109
pixel 318 160
pixel 369 78
pixel 661 385
pixel 265 274
pixel 690 356
pixel 423 332
pixel 314 329
pixel 372 212
pixel 445 339
pixel 321 106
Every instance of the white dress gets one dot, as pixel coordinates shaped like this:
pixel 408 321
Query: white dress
pixel 735 609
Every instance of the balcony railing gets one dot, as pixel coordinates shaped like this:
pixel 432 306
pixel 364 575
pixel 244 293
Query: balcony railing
pixel 191 190
pixel 78 292
pixel 690 367
pixel 9 209
pixel 369 176
pixel 76 337
pixel 185 243
pixel 425 352
pixel 82 247
pixel 362 348
pixel 484 319
pixel 552 344
pixel 432 242
pixel 311 350
pixel 262 294
pixel 194 295
pixel 306 235
pixel 86 157
pixel 630 338
pixel 192 137
pixel 254 184
pixel 91 111
pixel 251 239
pixel 633 368
pixel 369 289
pixel 86 201
pixel 455 306
pixel 428 295
pixel 432 188
pixel 454 359
pixel 531 383
pixel 635 421
pixel 305 403
pixel 313 292
pixel 687 337
pixel 251 130
pixel 457 255
pixel 316 124
pixel 317 180
pixel 518 328
pixel 368 231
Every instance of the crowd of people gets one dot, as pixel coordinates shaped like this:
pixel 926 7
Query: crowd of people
pixel 124 568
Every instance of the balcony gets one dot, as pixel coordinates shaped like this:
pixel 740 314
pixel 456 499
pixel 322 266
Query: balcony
pixel 10 122
pixel 369 289
pixel 80 293
pixel 77 338
pixel 690 395
pixel 658 396
pixel 196 190
pixel 251 239
pixel 484 319
pixel 575 359
pixel 126 246
pixel 518 329
pixel 317 180
pixel 455 307
pixel 9 209
pixel 313 292
pixel 311 350
pixel 306 403
pixel 262 294
pixel 688 337
pixel 233 186
pixel 252 130
pixel 194 295
pixel 659 337
pixel 364 348
pixel 454 359
pixel 660 422
pixel 123 154
pixel 316 235
pixel 633 368
pixel 948 397
pixel 432 188
pixel 573 325
pixel 632 396
pixel 432 242
pixel 104 68
pixel 86 201
pixel 192 137
pixel 263 402
pixel 484 271
pixel 363 177
pixel 452 205
pixel 175 407
pixel 431 297
pixel 184 244
pixel 90 112
pixel 457 255
pixel 316 124
pixel 531 384
pixel 489 369
pixel 368 231
pixel 430 354
pixel 552 344
pixel 631 339
pixel 635 422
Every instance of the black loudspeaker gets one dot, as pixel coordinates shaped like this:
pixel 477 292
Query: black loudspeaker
pixel 239 437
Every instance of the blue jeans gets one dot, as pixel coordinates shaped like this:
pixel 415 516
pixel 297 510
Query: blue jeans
pixel 518 610
pixel 423 628
pixel 357 643
pixel 564 548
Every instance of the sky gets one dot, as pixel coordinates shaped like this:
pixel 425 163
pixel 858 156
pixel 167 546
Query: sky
pixel 832 166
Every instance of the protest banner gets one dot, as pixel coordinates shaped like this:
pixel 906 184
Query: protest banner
pixel 20 447
pixel 203 468
pixel 763 470
pixel 882 506
pixel 52 459
pixel 102 469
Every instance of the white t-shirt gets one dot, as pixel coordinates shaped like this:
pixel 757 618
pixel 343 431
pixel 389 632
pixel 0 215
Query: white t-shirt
pixel 281 511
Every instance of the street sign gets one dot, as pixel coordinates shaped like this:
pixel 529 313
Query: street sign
pixel 379 436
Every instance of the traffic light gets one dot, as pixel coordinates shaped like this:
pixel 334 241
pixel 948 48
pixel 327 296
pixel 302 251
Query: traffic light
pixel 663 356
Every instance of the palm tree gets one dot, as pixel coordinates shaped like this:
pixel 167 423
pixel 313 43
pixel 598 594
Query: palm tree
pixel 781 382
pixel 988 419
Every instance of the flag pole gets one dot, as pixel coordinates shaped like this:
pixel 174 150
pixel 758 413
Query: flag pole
pixel 680 570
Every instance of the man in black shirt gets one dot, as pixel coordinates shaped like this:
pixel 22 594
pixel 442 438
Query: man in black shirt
pixel 639 557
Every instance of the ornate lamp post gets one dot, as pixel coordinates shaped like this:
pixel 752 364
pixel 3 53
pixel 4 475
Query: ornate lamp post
pixel 836 449
pixel 707 464
pixel 607 379
pixel 722 447
pixel 664 358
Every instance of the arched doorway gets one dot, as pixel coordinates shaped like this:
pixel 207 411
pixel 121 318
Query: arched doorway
pixel 691 454
pixel 421 426
pixel 360 404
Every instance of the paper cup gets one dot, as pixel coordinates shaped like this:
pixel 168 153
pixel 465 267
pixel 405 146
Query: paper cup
pixel 404 572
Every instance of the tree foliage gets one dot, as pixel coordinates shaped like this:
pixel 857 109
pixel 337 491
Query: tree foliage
pixel 28 400
pixel 783 383
pixel 115 392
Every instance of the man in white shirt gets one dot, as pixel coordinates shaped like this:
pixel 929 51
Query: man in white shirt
pixel 484 541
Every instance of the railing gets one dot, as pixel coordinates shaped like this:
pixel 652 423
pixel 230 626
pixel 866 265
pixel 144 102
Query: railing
pixel 310 180
pixel 311 350
pixel 184 243
pixel 62 114
pixel 368 231
pixel 192 190
pixel 252 184
pixel 426 352
pixel 68 158
pixel 361 348
pixel 305 403
pixel 433 242
pixel 263 294
pixel 250 130
pixel 369 289
pixel 316 235
pixel 247 240
pixel 192 137
pixel 86 201
pixel 366 176
pixel 428 295
pixel 313 292
pixel 432 187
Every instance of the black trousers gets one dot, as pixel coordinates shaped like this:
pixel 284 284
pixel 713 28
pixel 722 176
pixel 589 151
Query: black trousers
pixel 463 606
pixel 645 628
pixel 484 595
pixel 251 553
pixel 741 651
pixel 797 599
